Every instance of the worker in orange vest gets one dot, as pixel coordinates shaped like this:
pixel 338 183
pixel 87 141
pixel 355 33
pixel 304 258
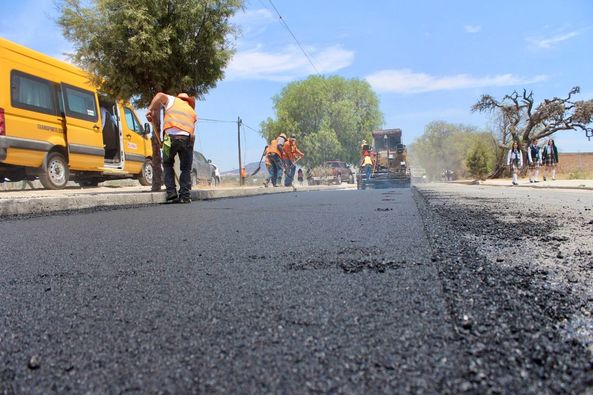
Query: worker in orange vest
pixel 179 130
pixel 243 173
pixel 291 155
pixel 275 155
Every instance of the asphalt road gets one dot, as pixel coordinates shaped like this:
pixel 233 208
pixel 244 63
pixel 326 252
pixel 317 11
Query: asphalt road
pixel 444 289
pixel 292 293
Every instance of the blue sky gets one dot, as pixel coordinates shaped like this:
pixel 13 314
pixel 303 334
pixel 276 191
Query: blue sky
pixel 427 60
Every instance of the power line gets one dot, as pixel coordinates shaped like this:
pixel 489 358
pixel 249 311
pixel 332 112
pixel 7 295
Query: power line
pixel 249 127
pixel 215 120
pixel 293 36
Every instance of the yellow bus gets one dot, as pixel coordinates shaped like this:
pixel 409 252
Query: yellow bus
pixel 56 126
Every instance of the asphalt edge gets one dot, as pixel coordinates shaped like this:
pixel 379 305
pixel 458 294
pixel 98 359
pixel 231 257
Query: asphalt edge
pixel 533 186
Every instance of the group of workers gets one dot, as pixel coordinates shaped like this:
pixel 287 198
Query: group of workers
pixel 281 156
pixel 537 157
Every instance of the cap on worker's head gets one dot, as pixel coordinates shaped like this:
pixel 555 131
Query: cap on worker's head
pixel 282 135
pixel 188 99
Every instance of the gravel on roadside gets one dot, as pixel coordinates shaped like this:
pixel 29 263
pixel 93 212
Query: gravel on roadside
pixel 516 279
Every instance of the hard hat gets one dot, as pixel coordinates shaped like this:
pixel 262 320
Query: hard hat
pixel 282 135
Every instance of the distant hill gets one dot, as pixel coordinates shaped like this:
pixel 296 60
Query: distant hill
pixel 249 168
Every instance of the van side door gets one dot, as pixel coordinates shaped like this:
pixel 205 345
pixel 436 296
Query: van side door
pixel 134 141
pixel 83 128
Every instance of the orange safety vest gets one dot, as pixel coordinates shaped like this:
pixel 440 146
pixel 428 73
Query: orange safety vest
pixel 273 148
pixel 289 150
pixel 180 116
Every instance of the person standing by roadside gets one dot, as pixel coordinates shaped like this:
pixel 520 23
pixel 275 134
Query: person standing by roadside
pixel 179 130
pixel 216 175
pixel 550 159
pixel 275 156
pixel 515 161
pixel 243 175
pixel 535 160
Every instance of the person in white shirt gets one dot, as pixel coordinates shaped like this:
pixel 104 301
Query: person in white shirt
pixel 534 159
pixel 515 161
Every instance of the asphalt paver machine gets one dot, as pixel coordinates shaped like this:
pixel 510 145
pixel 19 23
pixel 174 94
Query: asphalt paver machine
pixel 390 166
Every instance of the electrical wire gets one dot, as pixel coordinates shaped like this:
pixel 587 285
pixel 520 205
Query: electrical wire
pixel 294 37
pixel 215 120
pixel 249 127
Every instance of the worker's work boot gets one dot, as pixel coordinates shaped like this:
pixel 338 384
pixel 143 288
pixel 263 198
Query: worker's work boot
pixel 172 198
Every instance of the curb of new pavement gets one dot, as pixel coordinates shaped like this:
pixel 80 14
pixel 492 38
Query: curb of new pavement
pixel 41 205
pixel 539 185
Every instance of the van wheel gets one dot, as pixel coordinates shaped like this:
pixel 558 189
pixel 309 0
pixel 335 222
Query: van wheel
pixel 55 172
pixel 145 178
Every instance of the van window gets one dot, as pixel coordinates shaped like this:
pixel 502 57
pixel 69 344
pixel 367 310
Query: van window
pixel 32 93
pixel 80 103
pixel 132 121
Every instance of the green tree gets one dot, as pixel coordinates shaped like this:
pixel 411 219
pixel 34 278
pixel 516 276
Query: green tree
pixel 477 161
pixel 329 116
pixel 136 48
pixel 445 146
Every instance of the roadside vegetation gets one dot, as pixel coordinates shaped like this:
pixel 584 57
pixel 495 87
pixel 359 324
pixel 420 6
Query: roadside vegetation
pixel 461 149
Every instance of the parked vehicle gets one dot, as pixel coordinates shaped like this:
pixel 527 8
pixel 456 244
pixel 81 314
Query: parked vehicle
pixel 202 170
pixel 331 172
pixel 56 126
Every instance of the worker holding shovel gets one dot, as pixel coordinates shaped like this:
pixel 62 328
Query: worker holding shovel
pixel 292 155
pixel 178 129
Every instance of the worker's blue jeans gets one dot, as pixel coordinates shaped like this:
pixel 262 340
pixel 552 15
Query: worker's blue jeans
pixel 183 147
pixel 368 169
pixel 276 173
pixel 290 170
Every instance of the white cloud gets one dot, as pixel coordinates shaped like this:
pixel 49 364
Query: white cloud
pixel 551 41
pixel 407 81
pixel 472 28
pixel 253 21
pixel 288 64
pixel 261 15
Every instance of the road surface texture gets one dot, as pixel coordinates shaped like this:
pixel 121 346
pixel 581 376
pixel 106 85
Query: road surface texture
pixel 516 268
pixel 386 291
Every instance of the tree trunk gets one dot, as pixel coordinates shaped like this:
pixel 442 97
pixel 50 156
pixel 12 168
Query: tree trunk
pixel 157 165
pixel 499 167
pixel 157 160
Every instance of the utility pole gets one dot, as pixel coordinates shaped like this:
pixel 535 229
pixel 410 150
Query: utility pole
pixel 241 180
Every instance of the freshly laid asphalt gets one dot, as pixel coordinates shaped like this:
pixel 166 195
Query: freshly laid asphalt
pixel 442 288
pixel 291 293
